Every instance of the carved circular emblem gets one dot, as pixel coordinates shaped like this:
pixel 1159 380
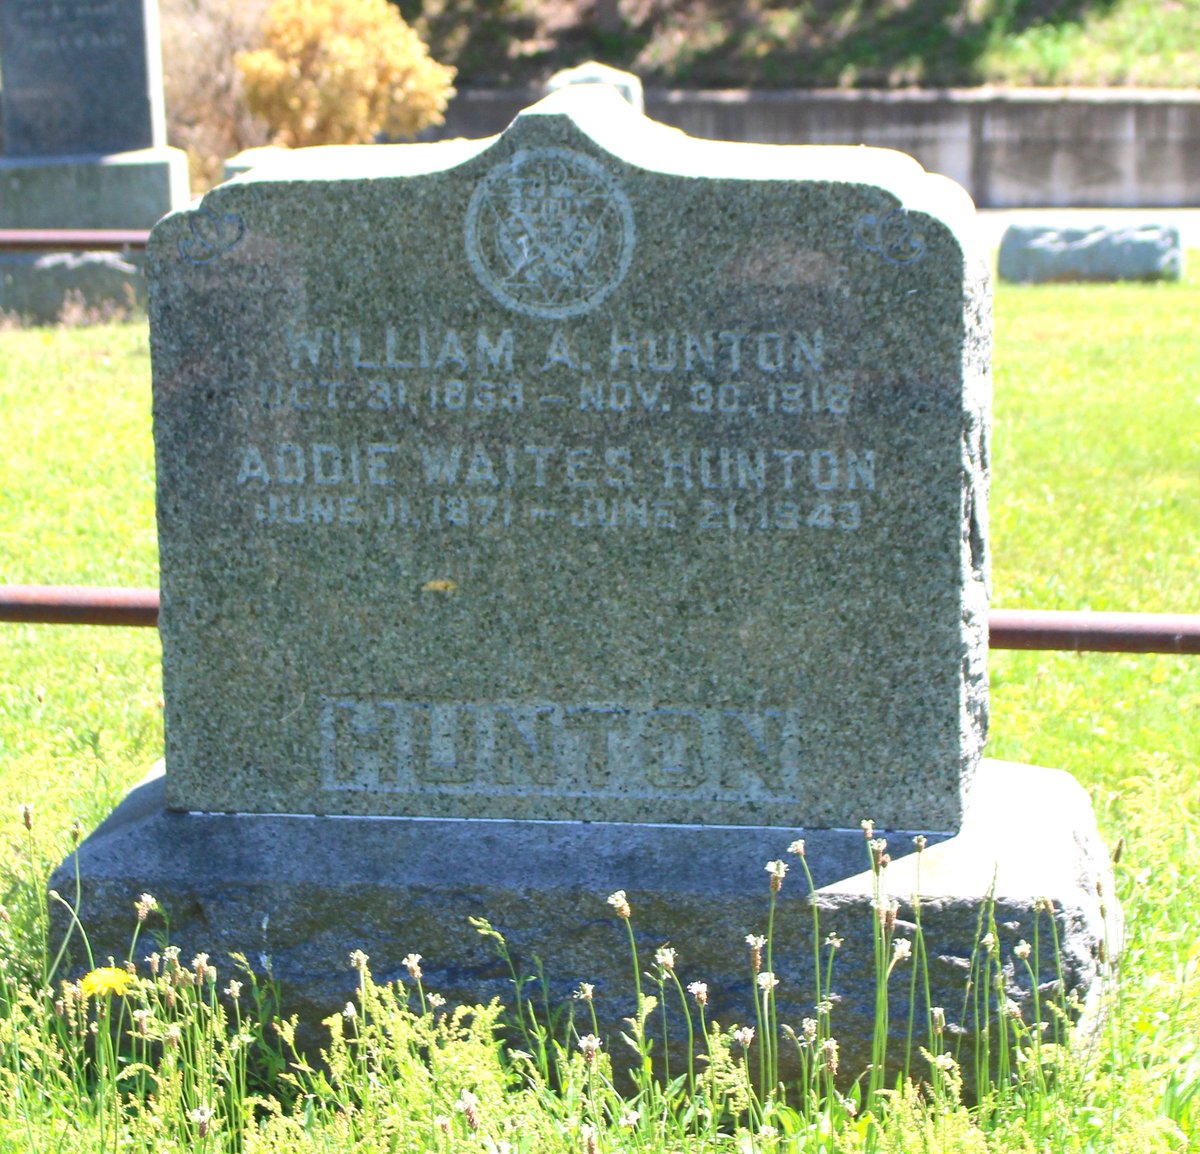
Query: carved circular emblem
pixel 549 233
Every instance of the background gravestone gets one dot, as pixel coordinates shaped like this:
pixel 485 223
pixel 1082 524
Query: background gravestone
pixel 1042 252
pixel 84 142
pixel 79 77
pixel 589 508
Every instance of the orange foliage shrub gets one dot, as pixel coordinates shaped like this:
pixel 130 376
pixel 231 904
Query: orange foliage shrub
pixel 341 72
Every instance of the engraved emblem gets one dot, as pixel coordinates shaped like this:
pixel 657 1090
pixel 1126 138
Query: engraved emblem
pixel 212 236
pixel 891 236
pixel 550 233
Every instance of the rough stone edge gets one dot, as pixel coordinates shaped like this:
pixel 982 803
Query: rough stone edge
pixel 1017 813
pixel 1030 844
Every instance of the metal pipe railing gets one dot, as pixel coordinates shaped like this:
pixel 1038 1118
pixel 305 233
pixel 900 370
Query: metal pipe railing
pixel 78 605
pixel 65 239
pixel 1095 632
pixel 1008 628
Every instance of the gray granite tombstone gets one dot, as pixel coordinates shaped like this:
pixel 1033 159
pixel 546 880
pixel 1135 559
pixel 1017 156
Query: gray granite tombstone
pixel 79 78
pixel 587 508
pixel 608 490
pixel 1048 251
pixel 84 133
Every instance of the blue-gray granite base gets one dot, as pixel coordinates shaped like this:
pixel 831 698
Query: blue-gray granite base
pixel 297 894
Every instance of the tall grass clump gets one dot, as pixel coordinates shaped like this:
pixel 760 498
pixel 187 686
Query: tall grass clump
pixel 164 1053
pixel 123 1058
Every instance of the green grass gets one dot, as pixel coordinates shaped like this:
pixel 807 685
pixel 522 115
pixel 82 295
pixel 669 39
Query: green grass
pixel 80 708
pixel 825 43
pixel 1096 503
pixel 78 466
pixel 1096 441
pixel 1131 42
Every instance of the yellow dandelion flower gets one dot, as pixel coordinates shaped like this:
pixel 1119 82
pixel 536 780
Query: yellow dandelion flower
pixel 107 980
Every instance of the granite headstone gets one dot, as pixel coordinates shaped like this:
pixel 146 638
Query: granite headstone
pixel 84 144
pixel 588 508
pixel 80 77
pixel 567 475
pixel 1048 252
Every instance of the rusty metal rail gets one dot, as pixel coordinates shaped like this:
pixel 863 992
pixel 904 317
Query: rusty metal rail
pixel 78 605
pixel 1008 628
pixel 66 239
pixel 1097 632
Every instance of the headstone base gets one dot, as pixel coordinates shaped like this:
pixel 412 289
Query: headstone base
pixel 1051 253
pixel 115 190
pixel 296 894
pixel 39 288
pixel 125 190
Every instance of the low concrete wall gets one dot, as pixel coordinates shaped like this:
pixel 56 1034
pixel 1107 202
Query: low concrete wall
pixel 1018 148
